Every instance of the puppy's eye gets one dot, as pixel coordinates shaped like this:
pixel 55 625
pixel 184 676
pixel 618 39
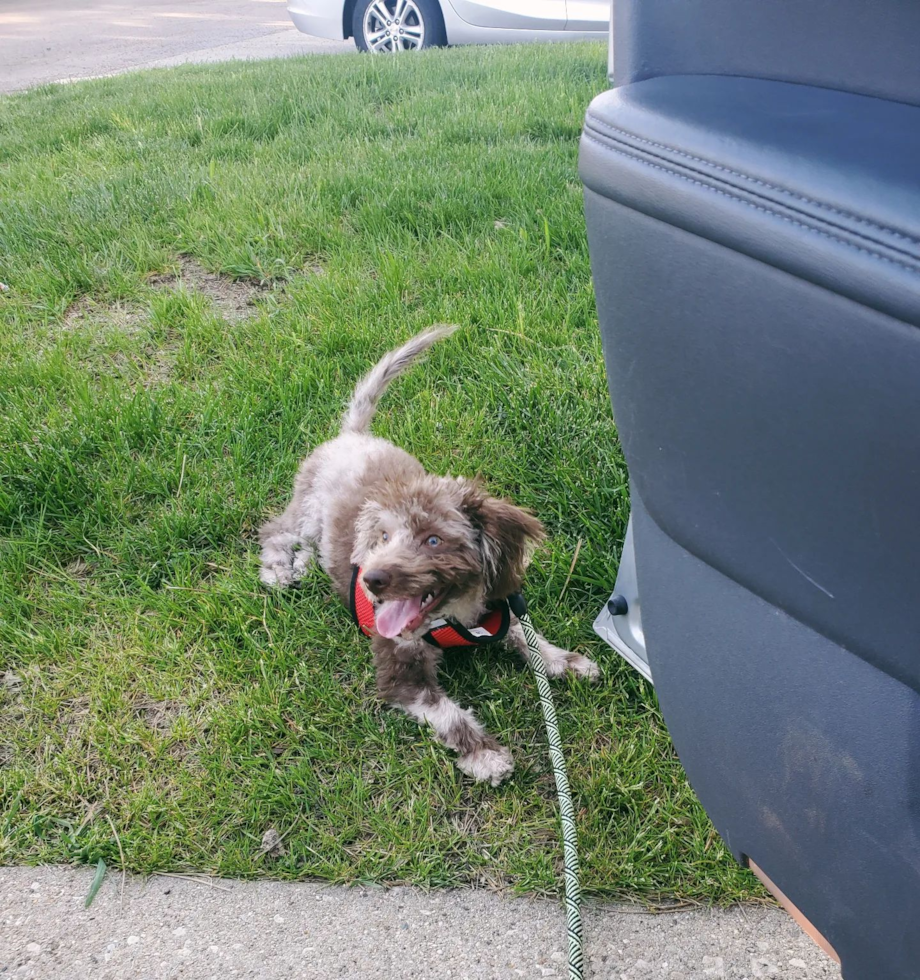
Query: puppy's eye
pixel 384 536
pixel 433 541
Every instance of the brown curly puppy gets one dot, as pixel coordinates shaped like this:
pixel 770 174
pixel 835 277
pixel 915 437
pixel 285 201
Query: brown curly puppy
pixel 430 548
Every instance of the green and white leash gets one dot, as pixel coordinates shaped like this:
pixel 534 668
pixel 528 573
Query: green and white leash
pixel 566 807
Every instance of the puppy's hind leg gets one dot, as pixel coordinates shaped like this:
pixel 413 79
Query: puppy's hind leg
pixel 286 555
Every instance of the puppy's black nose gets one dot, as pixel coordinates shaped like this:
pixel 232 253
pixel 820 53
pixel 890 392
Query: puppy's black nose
pixel 377 580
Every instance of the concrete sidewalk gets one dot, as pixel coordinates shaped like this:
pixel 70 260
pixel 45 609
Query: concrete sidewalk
pixel 168 927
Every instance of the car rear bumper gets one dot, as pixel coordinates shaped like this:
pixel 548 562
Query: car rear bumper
pixel 315 17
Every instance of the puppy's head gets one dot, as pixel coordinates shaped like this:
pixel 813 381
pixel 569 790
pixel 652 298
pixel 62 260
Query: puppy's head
pixel 438 547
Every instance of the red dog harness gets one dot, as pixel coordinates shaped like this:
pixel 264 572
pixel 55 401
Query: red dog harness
pixel 490 629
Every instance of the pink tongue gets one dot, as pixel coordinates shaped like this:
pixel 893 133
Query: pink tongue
pixel 392 617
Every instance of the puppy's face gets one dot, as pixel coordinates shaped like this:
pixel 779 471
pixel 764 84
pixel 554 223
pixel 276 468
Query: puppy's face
pixel 438 547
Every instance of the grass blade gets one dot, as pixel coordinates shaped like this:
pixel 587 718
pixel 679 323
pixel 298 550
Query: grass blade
pixel 97 883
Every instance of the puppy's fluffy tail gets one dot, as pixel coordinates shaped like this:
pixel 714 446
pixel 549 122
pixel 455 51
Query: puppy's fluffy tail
pixel 363 402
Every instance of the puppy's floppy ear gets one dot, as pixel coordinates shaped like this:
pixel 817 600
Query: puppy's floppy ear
pixel 507 538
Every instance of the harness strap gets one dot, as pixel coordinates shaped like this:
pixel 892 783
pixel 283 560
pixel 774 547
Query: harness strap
pixel 362 609
pixel 492 628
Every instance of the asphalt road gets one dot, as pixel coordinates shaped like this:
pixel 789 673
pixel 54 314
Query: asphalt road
pixel 61 40
pixel 168 928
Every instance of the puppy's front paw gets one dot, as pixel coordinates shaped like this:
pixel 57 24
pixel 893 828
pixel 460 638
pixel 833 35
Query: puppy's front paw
pixel 287 569
pixel 580 666
pixel 278 575
pixel 487 765
pixel 301 566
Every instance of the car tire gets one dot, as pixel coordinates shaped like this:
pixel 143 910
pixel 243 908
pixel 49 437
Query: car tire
pixel 409 25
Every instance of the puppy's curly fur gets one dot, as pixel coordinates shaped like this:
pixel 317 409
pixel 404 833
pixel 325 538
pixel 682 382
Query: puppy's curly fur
pixel 430 547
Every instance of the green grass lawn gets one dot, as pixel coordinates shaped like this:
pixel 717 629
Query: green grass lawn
pixel 153 414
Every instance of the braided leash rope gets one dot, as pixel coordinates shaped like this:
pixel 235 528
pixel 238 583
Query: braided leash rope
pixel 566 807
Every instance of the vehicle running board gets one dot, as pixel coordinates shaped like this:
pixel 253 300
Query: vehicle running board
pixel 620 621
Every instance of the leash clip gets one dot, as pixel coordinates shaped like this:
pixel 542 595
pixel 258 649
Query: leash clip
pixel 518 604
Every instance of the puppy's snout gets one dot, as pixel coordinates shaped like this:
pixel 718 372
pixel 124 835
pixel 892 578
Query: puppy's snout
pixel 377 580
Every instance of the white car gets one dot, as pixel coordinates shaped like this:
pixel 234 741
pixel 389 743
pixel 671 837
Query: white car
pixel 390 26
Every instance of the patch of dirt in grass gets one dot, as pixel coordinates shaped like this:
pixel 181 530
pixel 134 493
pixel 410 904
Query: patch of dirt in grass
pixel 186 754
pixel 158 715
pixel 272 844
pixel 233 299
pixel 74 721
pixel 103 322
pixel 159 370
pixel 12 712
pixel 161 717
pixel 79 569
pixel 76 575
pixel 11 694
pixel 602 741
pixel 126 318
pixel 74 716
pixel 468 817
pixel 11 681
